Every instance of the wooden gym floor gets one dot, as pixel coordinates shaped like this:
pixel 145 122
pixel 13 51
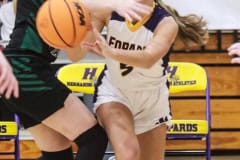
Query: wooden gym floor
pixel 199 158
pixel 202 158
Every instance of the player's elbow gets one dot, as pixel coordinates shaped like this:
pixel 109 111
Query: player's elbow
pixel 148 63
pixel 76 58
pixel 74 54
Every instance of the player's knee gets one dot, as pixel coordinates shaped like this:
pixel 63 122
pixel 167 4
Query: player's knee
pixel 129 150
pixel 92 144
pixel 132 154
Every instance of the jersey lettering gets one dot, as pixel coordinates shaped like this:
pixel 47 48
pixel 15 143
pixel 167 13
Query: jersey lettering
pixel 126 69
pixel 124 45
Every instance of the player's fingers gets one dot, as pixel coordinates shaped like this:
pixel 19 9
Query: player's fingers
pixel 92 46
pixel 231 52
pixel 10 86
pixel 235 60
pixel 97 34
pixel 4 84
pixel 142 9
pixel 99 45
pixel 234 51
pixel 87 44
pixel 9 90
pixel 3 80
pixel 3 74
pixel 234 46
pixel 128 18
pixel 134 15
pixel 15 88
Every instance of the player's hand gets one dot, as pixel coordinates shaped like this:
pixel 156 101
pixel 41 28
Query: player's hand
pixel 234 50
pixel 8 82
pixel 100 45
pixel 132 10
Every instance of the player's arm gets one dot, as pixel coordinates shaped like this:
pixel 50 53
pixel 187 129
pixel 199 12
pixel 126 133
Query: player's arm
pixel 234 50
pixel 8 82
pixel 77 53
pixel 164 36
pixel 130 9
pixel 14 6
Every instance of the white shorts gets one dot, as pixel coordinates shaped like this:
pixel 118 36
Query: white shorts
pixel 150 108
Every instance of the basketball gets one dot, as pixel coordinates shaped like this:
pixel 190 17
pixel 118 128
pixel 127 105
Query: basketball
pixel 62 23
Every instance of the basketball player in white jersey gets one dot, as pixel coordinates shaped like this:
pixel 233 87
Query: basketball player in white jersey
pixel 7 19
pixel 234 50
pixel 8 82
pixel 67 118
pixel 131 95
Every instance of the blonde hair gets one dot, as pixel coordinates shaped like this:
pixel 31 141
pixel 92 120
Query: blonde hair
pixel 192 28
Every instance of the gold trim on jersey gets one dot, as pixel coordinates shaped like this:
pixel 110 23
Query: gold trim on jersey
pixel 133 27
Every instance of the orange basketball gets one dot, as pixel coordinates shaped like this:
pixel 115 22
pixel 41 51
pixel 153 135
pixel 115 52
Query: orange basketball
pixel 62 23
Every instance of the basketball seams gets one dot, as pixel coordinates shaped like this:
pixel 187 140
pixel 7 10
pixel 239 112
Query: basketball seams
pixel 45 38
pixel 55 26
pixel 73 22
pixel 57 23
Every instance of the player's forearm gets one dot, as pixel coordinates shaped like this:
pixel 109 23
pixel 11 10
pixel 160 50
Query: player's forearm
pixel 96 5
pixel 140 59
pixel 75 54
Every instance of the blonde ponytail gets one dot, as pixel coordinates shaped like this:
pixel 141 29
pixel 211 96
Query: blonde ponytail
pixel 192 28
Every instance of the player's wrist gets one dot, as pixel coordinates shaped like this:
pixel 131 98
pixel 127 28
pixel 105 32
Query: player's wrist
pixel 96 5
pixel 111 5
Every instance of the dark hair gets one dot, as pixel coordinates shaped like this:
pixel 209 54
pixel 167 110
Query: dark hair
pixel 192 28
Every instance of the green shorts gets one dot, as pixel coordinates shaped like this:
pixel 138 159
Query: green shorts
pixel 41 94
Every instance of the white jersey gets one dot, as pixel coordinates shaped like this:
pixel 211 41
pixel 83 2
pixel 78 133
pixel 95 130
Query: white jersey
pixel 123 35
pixel 7 18
pixel 143 91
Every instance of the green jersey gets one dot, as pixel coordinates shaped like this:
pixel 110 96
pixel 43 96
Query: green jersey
pixel 25 38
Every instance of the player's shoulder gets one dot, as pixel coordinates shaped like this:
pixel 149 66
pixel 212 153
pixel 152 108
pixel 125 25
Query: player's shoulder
pixel 160 13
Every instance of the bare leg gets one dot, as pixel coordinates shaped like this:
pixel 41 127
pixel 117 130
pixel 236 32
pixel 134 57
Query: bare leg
pixel 71 120
pixel 49 140
pixel 118 123
pixel 77 123
pixel 153 143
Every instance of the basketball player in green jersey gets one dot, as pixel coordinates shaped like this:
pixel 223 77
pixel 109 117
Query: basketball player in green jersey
pixel 54 116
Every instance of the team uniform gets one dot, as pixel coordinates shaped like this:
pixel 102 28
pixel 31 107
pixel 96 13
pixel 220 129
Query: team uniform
pixel 7 19
pixel 41 94
pixel 143 91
